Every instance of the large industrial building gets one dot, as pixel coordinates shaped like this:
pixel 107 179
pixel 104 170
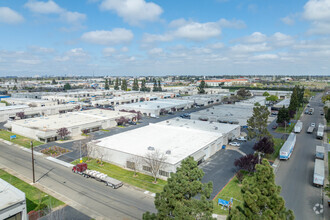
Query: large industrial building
pixel 29 102
pixel 232 114
pixel 157 107
pixel 45 128
pixel 176 139
pixel 12 202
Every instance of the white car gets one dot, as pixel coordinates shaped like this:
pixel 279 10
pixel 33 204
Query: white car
pixel 234 144
pixel 313 124
pixel 241 139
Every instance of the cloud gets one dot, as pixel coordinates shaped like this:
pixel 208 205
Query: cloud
pixel 72 17
pixel 116 36
pixel 318 12
pixel 255 37
pixel 288 20
pixel 108 51
pixel 275 41
pixel 50 7
pixel 29 61
pixel 265 57
pixel 155 51
pixel 192 30
pixel 133 11
pixel 10 16
pixel 250 48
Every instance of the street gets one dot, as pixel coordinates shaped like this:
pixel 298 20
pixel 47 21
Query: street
pixel 295 176
pixel 94 198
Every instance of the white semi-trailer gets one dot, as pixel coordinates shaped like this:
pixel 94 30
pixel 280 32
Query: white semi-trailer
pixel 318 178
pixel 288 146
pixel 320 132
pixel 298 127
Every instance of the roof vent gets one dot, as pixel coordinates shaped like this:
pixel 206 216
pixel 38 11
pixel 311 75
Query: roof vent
pixel 215 128
pixel 168 152
pixel 151 148
pixel 167 121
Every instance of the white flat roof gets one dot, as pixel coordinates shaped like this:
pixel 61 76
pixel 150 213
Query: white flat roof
pixel 201 125
pixel 181 141
pixel 148 105
pixel 12 107
pixel 9 195
pixel 229 113
pixel 27 100
pixel 70 119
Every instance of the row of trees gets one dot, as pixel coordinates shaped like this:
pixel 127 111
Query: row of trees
pixel 296 101
pixel 135 87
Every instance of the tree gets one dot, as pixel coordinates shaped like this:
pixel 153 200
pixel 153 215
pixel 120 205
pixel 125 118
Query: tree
pixel 135 85
pixel 283 116
pixel 178 198
pixel 156 161
pixel 82 146
pixel 159 86
pixel 21 115
pixel 63 132
pixel 272 98
pixel 265 146
pixel 54 82
pixel 122 120
pixel 247 162
pixel 257 124
pixel 261 197
pixel 265 94
pixel 15 87
pixel 244 93
pixel 143 86
pixel 155 88
pixel 124 85
pixel 136 163
pixel 106 85
pixel 67 86
pixel 116 87
pixel 201 87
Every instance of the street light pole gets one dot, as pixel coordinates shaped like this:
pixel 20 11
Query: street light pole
pixel 31 143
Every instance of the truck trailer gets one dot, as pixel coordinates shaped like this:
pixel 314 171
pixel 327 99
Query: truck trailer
pixel 310 129
pixel 318 178
pixel 320 132
pixel 298 127
pixel 319 154
pixel 81 169
pixel 288 146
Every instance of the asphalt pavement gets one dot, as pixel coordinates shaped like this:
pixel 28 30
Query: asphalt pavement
pixel 295 176
pixel 88 196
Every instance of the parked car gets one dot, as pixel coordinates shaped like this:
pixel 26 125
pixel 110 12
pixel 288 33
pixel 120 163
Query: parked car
pixel 308 105
pixel 322 113
pixel 313 124
pixel 132 122
pixel 241 139
pixel 234 144
pixel 171 113
pixel 274 127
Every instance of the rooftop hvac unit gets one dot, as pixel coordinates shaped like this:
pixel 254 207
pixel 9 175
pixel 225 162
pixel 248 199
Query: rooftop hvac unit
pixel 177 119
pixel 168 152
pixel 167 121
pixel 151 148
pixel 215 128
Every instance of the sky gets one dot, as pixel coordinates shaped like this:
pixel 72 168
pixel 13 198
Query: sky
pixel 164 37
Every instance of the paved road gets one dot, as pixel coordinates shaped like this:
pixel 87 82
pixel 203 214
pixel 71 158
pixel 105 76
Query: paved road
pixel 122 203
pixel 295 176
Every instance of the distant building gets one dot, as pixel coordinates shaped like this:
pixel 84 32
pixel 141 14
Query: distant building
pixel 12 202
pixel 225 82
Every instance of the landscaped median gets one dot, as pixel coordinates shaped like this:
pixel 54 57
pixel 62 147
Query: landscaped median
pixel 20 140
pixel 289 128
pixel 35 198
pixel 141 180
pixel 231 190
pixel 278 143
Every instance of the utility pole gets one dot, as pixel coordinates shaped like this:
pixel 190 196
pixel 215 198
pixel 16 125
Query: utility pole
pixel 31 143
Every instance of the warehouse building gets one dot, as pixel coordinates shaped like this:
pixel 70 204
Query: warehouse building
pixel 284 103
pixel 232 114
pixel 29 102
pixel 279 94
pixel 229 131
pixel 9 112
pixel 45 128
pixel 261 100
pixel 157 107
pixel 175 142
pixel 12 202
